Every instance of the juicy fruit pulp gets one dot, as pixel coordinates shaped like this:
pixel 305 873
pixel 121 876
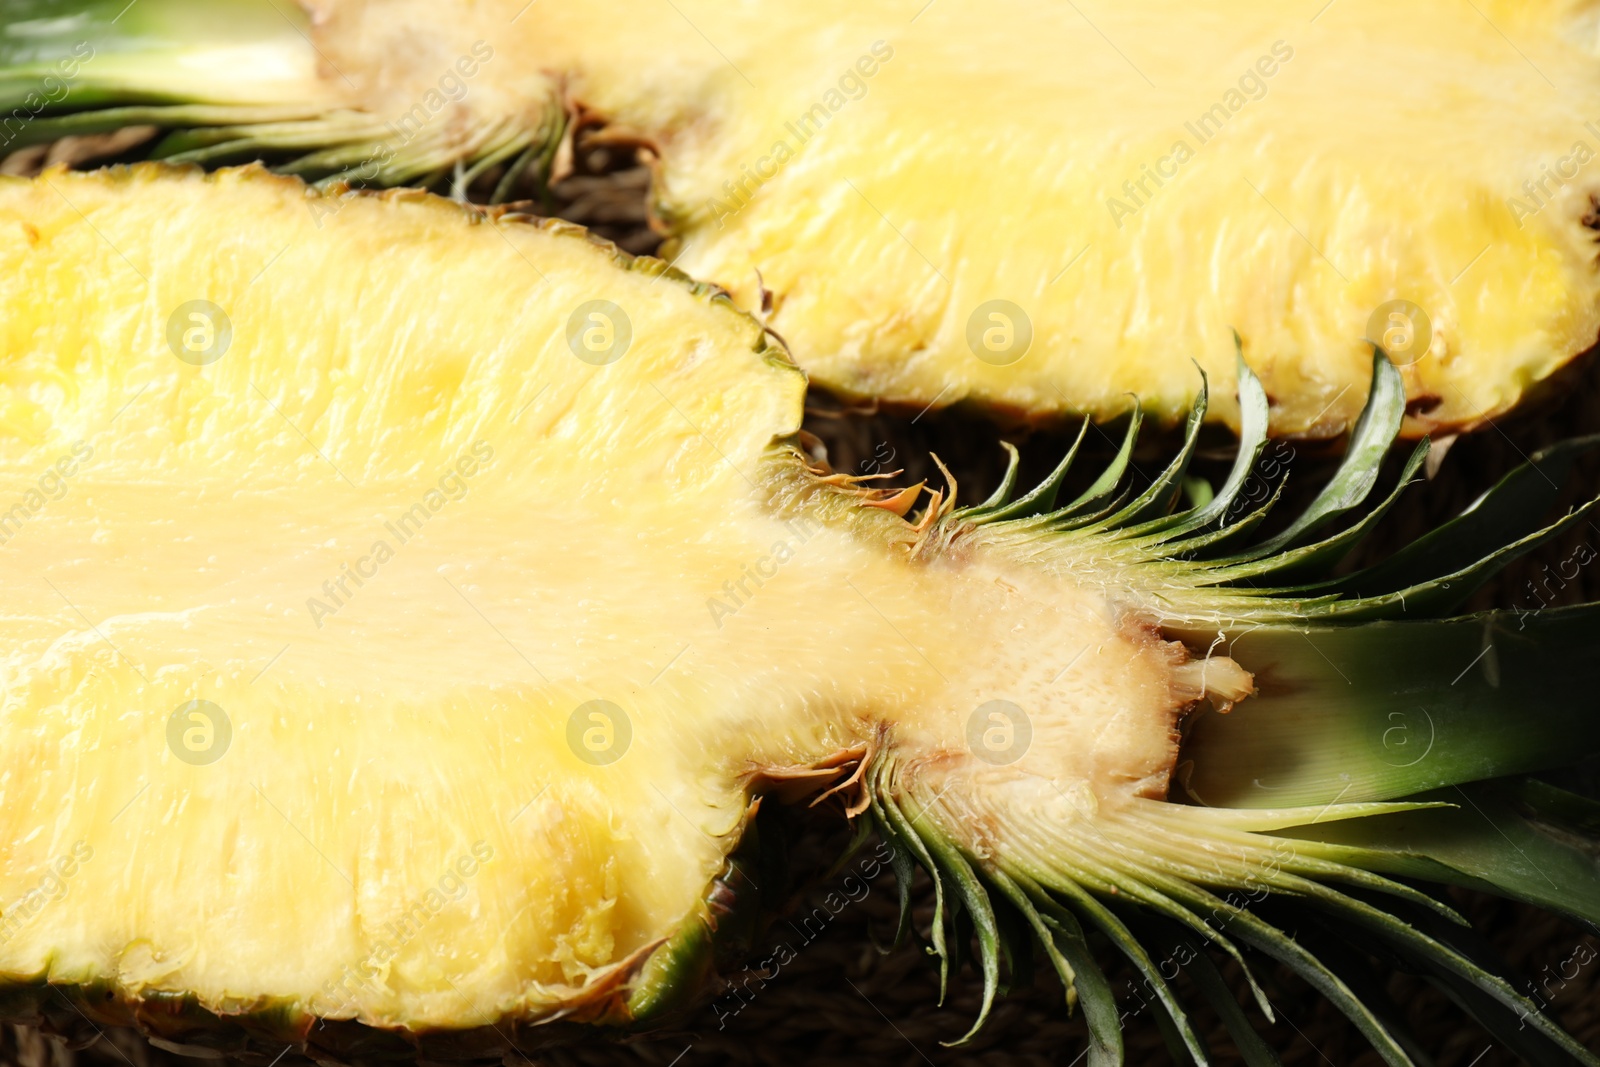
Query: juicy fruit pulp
pixel 1129 184
pixel 397 601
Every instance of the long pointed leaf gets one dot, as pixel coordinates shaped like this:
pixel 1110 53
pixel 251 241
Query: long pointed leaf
pixel 1489 839
pixel 1060 933
pixel 1108 923
pixel 1041 498
pixel 1318 558
pixel 1439 596
pixel 1208 979
pixel 1389 710
pixel 1111 477
pixel 1253 419
pixel 908 834
pixel 976 899
pixel 1374 432
pixel 1471 977
pixel 1008 484
pixel 1286 950
pixel 1508 512
pixel 1154 502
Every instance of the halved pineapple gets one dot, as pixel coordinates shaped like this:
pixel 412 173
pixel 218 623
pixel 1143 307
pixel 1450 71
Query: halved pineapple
pixel 366 551
pixel 408 609
pixel 1037 208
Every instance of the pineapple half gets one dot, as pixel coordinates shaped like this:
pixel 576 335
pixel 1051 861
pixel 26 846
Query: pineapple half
pixel 1039 208
pixel 412 614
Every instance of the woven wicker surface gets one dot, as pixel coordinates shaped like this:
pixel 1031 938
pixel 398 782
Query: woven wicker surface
pixel 839 1001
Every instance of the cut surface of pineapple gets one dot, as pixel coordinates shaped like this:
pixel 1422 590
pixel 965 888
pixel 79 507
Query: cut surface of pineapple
pixel 1036 208
pixel 1046 207
pixel 460 531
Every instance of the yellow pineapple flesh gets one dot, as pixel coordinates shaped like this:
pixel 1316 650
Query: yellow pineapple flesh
pixel 1042 208
pixel 1138 181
